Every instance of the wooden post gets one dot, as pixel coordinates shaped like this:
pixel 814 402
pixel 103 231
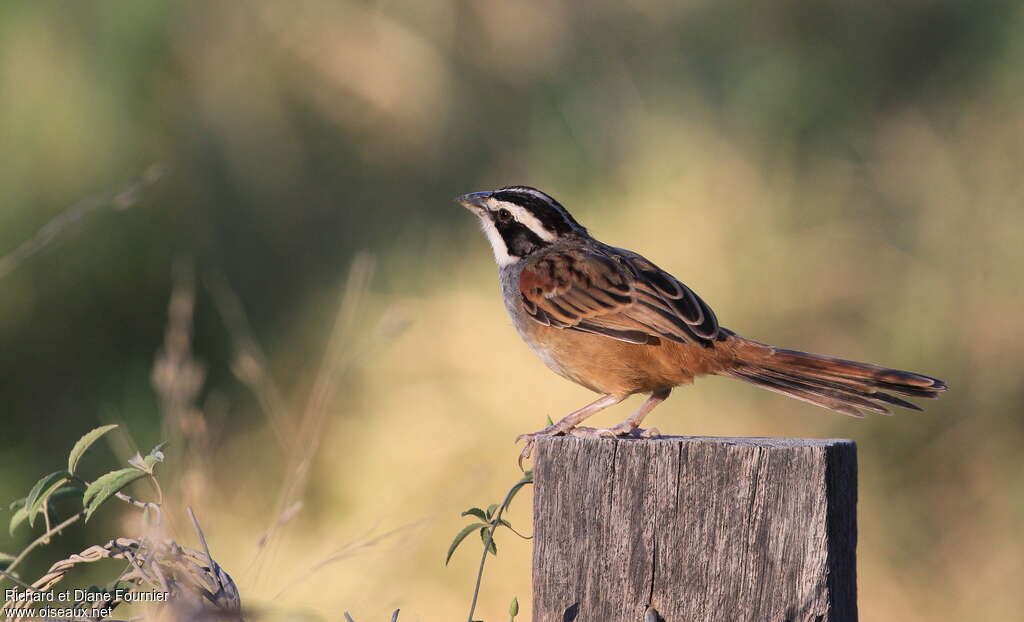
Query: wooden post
pixel 701 529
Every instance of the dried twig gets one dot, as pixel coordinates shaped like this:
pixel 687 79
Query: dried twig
pixel 344 552
pixel 394 616
pixel 123 198
pixel 177 376
pixel 250 363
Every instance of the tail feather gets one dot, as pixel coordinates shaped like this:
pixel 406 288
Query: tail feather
pixel 842 368
pixel 847 404
pixel 838 389
pixel 844 386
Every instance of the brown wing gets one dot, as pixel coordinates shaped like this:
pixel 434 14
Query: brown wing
pixel 616 293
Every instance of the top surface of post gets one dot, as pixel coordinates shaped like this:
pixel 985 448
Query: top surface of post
pixel 768 441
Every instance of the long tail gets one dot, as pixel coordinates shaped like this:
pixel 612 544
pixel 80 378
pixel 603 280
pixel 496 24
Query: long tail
pixel 844 386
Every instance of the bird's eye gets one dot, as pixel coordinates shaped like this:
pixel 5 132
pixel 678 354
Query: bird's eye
pixel 504 215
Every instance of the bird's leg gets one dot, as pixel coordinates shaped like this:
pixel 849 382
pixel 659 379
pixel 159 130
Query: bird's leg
pixel 566 424
pixel 631 426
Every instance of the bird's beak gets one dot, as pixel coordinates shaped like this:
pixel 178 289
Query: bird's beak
pixel 474 201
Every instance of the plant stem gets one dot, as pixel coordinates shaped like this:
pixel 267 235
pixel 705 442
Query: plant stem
pixel 495 522
pixel 128 498
pixel 44 538
pixel 3 573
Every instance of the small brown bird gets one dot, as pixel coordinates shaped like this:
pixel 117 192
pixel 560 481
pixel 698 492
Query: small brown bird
pixel 612 321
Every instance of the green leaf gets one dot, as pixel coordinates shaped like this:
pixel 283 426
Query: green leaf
pixel 106 486
pixel 136 463
pixel 17 503
pixel 84 443
pixel 550 422
pixel 147 464
pixel 151 460
pixel 513 607
pixel 468 529
pixel 20 516
pixel 527 479
pixel 490 510
pixel 156 454
pixel 36 498
pixel 65 492
pixel 493 548
pixel 477 512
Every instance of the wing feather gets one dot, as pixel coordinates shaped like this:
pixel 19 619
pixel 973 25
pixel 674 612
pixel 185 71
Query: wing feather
pixel 615 293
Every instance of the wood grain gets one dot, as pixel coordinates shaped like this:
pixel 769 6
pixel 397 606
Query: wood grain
pixel 702 529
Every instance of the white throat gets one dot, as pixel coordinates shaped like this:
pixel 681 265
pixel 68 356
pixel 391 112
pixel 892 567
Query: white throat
pixel 501 255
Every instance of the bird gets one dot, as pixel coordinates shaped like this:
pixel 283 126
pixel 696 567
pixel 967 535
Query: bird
pixel 612 321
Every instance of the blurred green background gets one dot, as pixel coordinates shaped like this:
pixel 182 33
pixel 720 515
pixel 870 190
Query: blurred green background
pixel 836 176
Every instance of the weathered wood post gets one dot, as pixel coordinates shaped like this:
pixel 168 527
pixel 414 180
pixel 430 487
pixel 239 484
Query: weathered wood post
pixel 701 529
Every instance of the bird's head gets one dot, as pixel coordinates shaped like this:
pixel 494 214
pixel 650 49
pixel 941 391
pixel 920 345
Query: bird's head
pixel 520 220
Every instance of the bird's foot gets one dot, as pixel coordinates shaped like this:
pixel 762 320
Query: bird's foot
pixel 622 430
pixel 531 439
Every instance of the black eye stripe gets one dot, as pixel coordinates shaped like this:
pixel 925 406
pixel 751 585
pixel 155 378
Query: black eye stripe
pixel 519 239
pixel 546 209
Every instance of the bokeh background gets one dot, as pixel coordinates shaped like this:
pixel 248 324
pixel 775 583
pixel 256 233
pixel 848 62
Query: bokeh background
pixel 337 375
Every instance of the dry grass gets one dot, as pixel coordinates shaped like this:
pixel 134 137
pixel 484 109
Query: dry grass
pixel 196 587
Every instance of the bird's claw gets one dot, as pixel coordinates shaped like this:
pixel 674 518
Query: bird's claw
pixel 584 432
pixel 531 440
pixel 527 450
pixel 649 433
pixel 623 430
